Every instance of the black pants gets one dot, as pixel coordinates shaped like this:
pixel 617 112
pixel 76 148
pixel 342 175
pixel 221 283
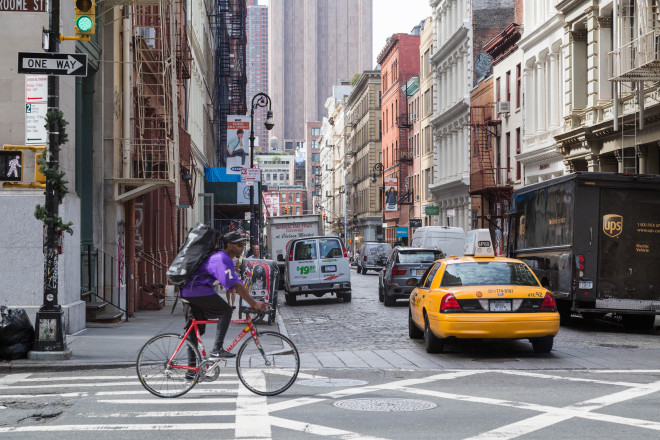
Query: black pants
pixel 209 307
pixel 239 152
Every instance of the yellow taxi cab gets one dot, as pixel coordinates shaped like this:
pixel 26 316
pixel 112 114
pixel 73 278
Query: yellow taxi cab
pixel 481 296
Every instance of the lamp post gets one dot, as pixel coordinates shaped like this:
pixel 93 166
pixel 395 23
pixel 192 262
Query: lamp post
pixel 381 169
pixel 259 100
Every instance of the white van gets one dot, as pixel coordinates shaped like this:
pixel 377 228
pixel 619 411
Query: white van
pixel 450 240
pixel 316 266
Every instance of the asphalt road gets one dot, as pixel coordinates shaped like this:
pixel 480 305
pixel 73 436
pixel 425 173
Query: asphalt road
pixel 363 377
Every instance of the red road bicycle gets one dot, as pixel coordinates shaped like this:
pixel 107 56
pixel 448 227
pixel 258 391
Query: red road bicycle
pixel 267 363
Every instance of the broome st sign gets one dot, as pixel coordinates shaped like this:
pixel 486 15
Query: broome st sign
pixel 22 5
pixel 53 63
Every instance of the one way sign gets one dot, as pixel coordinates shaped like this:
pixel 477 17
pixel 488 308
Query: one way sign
pixel 73 64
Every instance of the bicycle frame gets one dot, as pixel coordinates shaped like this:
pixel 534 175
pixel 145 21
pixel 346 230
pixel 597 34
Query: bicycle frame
pixel 194 324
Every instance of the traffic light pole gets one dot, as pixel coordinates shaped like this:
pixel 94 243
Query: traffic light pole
pixel 50 334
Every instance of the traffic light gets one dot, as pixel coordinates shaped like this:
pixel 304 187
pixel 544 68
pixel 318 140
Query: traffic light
pixel 11 166
pixel 324 216
pixel 85 23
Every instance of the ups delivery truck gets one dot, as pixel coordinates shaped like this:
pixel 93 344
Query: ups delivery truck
pixel 593 239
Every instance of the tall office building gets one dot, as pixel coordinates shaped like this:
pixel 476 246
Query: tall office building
pixel 257 67
pixel 311 45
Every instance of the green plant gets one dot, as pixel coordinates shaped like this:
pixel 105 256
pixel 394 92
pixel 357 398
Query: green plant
pixel 55 177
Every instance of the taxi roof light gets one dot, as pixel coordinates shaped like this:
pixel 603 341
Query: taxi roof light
pixel 449 304
pixel 478 243
pixel 549 304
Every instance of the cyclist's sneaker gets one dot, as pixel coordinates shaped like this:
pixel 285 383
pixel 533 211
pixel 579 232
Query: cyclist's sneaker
pixel 220 354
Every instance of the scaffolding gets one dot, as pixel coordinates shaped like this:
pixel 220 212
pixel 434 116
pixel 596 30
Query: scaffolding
pixel 491 183
pixel 635 61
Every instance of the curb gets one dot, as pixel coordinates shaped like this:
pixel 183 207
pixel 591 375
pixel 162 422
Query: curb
pixel 29 366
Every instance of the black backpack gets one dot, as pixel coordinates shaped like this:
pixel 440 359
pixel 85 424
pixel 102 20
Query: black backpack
pixel 200 244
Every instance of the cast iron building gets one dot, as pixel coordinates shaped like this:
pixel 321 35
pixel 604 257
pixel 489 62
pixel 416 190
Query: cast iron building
pixel 312 45
pixel 257 67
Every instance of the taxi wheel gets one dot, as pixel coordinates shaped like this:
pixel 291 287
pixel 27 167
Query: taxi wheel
pixel 542 345
pixel 413 331
pixel 432 344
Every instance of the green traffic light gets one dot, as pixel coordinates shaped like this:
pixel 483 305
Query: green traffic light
pixel 84 23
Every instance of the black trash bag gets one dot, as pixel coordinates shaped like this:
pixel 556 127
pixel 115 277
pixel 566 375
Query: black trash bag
pixel 16 333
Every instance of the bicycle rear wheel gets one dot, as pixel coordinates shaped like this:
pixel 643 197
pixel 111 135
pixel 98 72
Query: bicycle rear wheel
pixel 271 370
pixel 160 377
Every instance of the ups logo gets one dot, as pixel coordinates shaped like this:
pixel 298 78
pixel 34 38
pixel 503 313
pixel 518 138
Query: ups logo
pixel 612 225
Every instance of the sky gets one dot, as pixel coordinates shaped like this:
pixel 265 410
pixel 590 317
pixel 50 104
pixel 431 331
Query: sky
pixel 395 16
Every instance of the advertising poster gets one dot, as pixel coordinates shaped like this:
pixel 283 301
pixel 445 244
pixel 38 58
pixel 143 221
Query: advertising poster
pixel 391 187
pixel 258 278
pixel 271 203
pixel 238 143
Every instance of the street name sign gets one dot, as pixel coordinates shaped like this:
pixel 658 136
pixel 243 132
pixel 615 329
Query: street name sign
pixel 23 6
pixel 53 63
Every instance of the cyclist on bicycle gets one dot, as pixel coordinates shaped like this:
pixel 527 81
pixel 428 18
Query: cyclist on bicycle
pixel 205 303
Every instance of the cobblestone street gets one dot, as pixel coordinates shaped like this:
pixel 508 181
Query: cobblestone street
pixel 326 324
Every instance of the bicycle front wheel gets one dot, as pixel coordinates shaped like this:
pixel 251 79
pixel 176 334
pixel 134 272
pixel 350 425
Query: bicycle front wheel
pixel 161 377
pixel 270 369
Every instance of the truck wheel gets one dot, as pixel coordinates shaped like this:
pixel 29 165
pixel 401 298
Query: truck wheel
pixel 542 345
pixel 564 309
pixel 291 299
pixel 364 271
pixel 347 297
pixel 638 322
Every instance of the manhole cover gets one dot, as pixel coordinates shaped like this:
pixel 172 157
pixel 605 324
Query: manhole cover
pixel 386 405
pixel 324 382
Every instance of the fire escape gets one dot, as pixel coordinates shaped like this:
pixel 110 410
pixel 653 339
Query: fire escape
pixel 230 38
pixel 487 181
pixel 635 60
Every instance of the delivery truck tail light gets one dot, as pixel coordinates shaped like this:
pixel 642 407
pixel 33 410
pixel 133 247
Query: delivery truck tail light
pixel 291 254
pixel 579 262
pixel 345 252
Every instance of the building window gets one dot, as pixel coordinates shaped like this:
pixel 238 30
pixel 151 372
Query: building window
pixel 518 170
pixel 290 197
pixel 284 197
pixel 518 82
pixel 497 90
pixel 508 86
pixel 297 197
pixel 297 210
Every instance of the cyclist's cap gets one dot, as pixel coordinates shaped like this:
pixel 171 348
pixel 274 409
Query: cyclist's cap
pixel 234 237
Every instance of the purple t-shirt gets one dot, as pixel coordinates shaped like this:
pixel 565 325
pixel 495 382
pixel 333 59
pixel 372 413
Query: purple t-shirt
pixel 218 266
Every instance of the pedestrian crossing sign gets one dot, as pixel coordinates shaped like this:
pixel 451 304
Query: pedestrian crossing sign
pixel 11 166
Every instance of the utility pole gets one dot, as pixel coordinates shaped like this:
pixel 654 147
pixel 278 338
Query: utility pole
pixel 50 331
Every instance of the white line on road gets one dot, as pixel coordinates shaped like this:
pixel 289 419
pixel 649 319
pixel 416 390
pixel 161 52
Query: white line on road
pixel 33 396
pixel 252 410
pixel 145 392
pixel 325 431
pixel 13 378
pixel 145 414
pixel 147 427
pixel 179 401
pixel 572 379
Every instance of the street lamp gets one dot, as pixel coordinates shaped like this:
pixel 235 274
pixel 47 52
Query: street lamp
pixel 259 100
pixel 379 167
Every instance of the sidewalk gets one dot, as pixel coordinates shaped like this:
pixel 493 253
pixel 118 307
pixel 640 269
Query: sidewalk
pixel 117 345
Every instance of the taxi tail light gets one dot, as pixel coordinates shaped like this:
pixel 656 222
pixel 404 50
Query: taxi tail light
pixel 291 254
pixel 397 271
pixel 344 251
pixel 579 262
pixel 449 303
pixel 549 304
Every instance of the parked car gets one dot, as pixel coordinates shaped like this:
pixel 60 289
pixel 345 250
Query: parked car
pixel 481 296
pixel 316 266
pixel 450 240
pixel 402 264
pixel 372 256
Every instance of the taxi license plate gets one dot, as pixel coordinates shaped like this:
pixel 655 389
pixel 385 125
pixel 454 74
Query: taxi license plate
pixel 420 271
pixel 499 305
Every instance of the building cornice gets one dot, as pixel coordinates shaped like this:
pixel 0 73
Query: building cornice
pixel 456 110
pixel 535 37
pixel 543 153
pixel 462 182
pixel 450 45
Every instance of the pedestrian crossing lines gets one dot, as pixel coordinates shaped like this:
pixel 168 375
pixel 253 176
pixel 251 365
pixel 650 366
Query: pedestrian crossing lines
pixel 93 402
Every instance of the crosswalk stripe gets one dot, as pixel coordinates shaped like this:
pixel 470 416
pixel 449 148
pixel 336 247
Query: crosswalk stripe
pixel 35 396
pixel 145 392
pixel 178 401
pixel 124 427
pixel 138 415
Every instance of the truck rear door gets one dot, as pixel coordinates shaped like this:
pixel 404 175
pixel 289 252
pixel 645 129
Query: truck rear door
pixel 304 268
pixel 334 265
pixel 629 239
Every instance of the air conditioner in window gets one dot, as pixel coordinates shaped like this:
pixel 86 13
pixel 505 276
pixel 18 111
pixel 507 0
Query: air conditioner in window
pixel 413 116
pixel 416 196
pixel 503 107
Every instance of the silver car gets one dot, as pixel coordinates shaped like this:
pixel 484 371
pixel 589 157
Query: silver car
pixel 372 256
pixel 402 264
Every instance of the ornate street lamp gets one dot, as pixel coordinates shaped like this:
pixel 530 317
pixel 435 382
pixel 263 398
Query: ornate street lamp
pixel 259 100
pixel 378 167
